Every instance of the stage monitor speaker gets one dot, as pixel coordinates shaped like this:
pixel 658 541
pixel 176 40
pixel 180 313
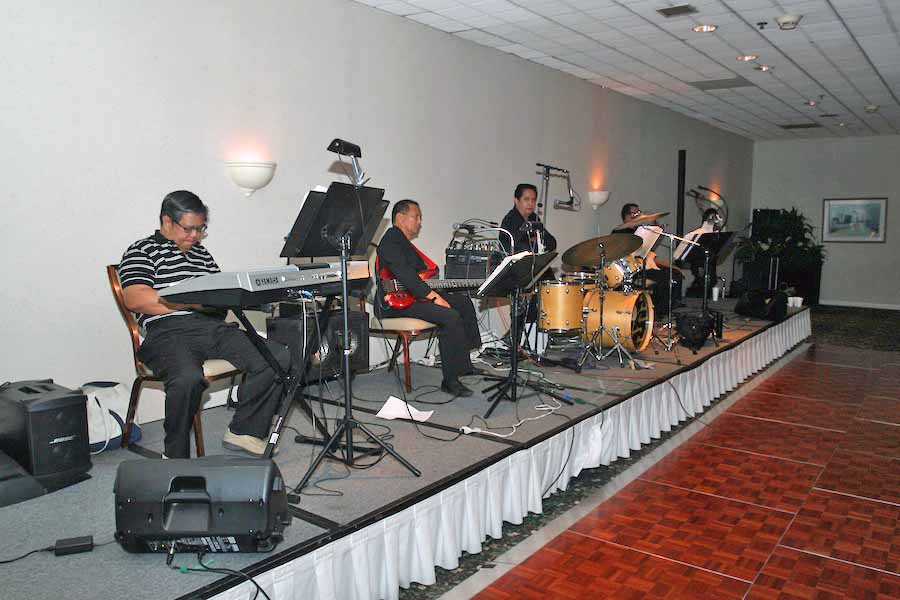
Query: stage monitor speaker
pixel 762 304
pixel 288 330
pixel 213 504
pixel 43 427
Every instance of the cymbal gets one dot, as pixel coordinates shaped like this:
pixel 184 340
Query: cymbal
pixel 644 219
pixel 587 253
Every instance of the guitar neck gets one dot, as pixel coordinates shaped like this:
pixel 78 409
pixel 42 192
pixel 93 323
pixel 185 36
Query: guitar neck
pixel 440 284
pixel 394 285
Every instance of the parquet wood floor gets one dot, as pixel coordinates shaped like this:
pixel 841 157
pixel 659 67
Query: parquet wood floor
pixel 792 494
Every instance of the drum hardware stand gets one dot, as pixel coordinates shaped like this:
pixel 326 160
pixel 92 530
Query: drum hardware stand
pixel 595 346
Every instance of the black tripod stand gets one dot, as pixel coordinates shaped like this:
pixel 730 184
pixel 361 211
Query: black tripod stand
pixel 347 423
pixel 515 273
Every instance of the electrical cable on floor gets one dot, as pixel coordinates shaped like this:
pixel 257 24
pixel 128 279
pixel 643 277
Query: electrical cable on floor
pixel 27 554
pixel 209 569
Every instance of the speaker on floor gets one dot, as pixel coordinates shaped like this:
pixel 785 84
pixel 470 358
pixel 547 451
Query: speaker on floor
pixel 289 330
pixel 43 427
pixel 694 329
pixel 213 504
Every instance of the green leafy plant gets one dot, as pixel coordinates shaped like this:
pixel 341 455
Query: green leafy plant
pixel 791 239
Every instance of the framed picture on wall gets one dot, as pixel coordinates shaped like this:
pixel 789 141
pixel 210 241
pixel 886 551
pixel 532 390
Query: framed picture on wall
pixel 854 219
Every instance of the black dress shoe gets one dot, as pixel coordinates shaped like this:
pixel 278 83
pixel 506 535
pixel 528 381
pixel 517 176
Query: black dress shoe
pixel 456 389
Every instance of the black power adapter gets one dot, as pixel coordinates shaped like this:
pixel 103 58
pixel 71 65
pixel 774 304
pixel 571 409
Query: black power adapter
pixel 74 545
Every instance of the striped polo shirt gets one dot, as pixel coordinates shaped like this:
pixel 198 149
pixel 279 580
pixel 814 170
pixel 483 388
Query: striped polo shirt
pixel 158 262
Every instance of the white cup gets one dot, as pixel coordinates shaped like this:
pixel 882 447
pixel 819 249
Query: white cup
pixel 716 291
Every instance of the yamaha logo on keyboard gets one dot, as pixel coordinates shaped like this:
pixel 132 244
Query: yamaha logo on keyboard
pixel 261 281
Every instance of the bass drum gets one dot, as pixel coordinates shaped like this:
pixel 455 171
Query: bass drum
pixel 561 303
pixel 631 313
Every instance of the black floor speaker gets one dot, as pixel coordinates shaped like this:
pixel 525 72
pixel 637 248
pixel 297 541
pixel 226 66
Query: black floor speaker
pixel 211 504
pixel 43 427
pixel 289 330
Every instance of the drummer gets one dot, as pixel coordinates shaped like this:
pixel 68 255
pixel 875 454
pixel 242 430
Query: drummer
pixel 655 270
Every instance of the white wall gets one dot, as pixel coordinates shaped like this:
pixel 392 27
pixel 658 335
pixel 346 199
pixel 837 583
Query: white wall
pixel 109 106
pixel 803 173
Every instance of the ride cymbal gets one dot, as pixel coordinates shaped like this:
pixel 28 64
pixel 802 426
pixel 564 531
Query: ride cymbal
pixel 587 253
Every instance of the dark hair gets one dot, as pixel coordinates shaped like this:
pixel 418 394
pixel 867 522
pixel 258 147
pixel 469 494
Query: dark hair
pixel 626 210
pixel 402 207
pixel 175 204
pixel 709 212
pixel 520 189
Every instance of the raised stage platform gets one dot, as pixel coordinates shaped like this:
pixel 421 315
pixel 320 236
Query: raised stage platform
pixel 391 528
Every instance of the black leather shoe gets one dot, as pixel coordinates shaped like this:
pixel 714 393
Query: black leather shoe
pixel 456 389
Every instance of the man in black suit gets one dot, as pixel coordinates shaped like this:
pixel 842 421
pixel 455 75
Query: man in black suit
pixel 453 313
pixel 525 236
pixel 528 235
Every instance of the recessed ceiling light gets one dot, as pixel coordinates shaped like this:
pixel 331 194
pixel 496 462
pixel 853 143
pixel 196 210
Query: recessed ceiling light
pixel 872 108
pixel 763 68
pixel 811 103
pixel 747 57
pixel 842 124
pixel 705 28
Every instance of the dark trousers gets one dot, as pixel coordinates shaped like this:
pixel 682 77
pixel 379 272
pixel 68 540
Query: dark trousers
pixel 457 330
pixel 660 289
pixel 175 348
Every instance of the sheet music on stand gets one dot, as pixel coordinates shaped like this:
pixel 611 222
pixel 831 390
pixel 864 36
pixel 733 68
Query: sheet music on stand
pixel 513 271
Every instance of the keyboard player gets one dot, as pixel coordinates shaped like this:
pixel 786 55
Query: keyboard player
pixel 180 337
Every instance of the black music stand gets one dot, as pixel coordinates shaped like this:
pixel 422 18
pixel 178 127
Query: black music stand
pixel 345 218
pixel 711 245
pixel 516 273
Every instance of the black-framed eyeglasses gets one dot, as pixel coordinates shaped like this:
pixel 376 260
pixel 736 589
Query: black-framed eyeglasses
pixel 636 213
pixel 198 229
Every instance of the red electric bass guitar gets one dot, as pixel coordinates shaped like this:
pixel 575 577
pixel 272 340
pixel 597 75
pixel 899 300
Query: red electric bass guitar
pixel 396 296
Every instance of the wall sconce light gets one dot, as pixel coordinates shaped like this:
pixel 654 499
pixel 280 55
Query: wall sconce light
pixel 250 176
pixel 597 199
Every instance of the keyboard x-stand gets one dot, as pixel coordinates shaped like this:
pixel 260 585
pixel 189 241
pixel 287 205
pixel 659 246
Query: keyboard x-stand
pixel 248 289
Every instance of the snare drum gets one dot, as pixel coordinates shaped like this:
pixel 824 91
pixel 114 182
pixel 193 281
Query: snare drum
pixel 561 304
pixel 586 280
pixel 621 272
pixel 632 314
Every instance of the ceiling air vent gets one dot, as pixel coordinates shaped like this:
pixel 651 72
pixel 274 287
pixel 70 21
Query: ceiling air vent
pixel 800 126
pixel 720 84
pixel 829 115
pixel 677 11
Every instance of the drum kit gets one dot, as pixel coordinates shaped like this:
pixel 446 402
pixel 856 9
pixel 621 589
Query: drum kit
pixel 600 300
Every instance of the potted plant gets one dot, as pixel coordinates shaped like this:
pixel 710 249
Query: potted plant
pixel 790 239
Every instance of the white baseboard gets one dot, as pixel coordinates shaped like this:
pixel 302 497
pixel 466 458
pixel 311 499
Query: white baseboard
pixel 859 304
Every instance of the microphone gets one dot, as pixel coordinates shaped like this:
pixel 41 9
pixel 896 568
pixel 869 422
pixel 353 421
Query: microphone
pixel 464 227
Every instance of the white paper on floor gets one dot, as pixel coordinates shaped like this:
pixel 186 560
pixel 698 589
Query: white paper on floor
pixel 395 408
